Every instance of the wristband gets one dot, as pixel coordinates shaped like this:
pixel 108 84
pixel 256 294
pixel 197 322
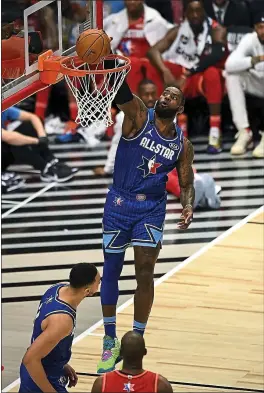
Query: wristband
pixel 43 141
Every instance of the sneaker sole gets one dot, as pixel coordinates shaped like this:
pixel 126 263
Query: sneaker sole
pixel 119 359
pixel 214 152
pixel 257 156
pixel 248 147
pixel 63 180
pixel 16 187
pixel 102 371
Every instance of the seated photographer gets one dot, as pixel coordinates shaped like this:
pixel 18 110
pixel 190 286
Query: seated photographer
pixel 26 143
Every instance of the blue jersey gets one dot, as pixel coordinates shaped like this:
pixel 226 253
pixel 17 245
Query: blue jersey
pixel 51 304
pixel 143 162
pixel 54 362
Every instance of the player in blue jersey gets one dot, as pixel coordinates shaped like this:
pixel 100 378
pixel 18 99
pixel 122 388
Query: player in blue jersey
pixel 151 146
pixel 45 365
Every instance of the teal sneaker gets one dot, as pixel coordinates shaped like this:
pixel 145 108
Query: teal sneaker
pixel 110 356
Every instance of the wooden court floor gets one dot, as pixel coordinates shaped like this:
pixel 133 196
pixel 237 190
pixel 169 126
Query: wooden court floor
pixel 206 328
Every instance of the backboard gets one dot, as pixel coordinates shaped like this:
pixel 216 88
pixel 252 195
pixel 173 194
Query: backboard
pixel 31 27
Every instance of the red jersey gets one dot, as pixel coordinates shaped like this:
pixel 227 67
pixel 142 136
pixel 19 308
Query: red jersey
pixel 117 382
pixel 134 42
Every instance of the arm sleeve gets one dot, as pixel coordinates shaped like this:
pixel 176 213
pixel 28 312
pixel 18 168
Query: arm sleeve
pixel 218 52
pixel 124 93
pixel 13 113
pixel 240 59
pixel 110 162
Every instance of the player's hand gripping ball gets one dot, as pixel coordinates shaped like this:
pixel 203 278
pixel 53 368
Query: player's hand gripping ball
pixel 93 45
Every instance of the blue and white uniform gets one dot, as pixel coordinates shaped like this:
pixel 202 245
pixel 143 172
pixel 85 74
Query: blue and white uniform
pixel 55 361
pixel 135 207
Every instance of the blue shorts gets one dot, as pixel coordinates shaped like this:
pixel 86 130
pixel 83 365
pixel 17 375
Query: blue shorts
pixel 136 220
pixel 58 381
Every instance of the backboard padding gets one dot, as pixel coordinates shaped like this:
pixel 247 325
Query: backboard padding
pixel 59 23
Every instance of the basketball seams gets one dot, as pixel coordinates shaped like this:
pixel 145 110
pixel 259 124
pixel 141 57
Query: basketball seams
pixel 90 35
pixel 87 35
pixel 80 39
pixel 93 45
pixel 103 47
pixel 107 44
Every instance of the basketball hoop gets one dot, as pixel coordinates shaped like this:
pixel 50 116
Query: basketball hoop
pixel 94 87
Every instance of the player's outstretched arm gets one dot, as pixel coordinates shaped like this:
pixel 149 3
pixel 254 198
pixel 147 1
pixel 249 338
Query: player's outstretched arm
pixel 186 181
pixel 163 385
pixel 133 107
pixel 58 327
pixel 98 385
pixel 135 116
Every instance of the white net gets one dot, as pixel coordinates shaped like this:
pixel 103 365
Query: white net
pixel 94 93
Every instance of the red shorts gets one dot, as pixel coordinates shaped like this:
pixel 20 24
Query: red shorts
pixel 209 83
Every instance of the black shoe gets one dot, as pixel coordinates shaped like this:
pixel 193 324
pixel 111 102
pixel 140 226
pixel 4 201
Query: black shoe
pixel 56 171
pixel 11 181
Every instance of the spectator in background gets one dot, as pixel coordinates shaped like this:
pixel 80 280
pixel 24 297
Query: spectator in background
pixel 206 192
pixel 196 51
pixel 234 15
pixel 134 30
pixel 245 74
pixel 228 12
pixel 255 6
pixel 26 142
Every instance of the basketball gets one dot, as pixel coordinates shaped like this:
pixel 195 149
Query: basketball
pixel 92 45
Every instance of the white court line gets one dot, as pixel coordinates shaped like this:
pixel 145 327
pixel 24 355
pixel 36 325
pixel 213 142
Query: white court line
pixel 23 203
pixel 200 252
pixel 9 202
pixel 96 334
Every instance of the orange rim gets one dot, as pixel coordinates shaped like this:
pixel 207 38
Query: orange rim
pixel 68 62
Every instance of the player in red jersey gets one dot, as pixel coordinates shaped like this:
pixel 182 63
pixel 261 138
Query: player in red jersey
pixel 132 377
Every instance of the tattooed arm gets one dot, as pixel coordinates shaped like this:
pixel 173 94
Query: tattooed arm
pixel 186 179
pixel 135 116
